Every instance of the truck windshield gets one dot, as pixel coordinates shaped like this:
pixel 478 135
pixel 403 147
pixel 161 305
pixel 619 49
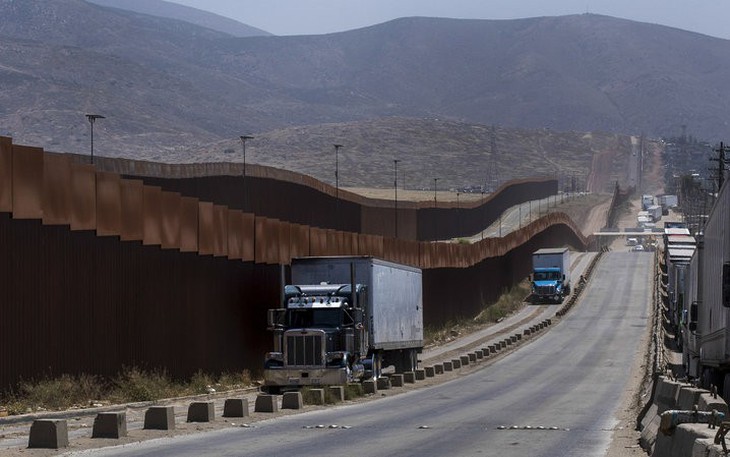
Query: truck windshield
pixel 316 318
pixel 546 275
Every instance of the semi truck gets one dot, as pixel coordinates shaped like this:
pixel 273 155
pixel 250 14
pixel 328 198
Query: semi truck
pixel 344 319
pixel 550 275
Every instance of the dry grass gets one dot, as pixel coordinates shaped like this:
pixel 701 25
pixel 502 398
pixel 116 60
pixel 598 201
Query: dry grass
pixel 131 385
pixel 508 303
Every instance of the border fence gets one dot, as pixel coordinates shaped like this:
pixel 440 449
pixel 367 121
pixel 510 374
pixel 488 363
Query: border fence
pixel 129 263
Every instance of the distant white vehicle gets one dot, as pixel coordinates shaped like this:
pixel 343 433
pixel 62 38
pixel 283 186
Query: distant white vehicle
pixel 632 241
pixel 638 247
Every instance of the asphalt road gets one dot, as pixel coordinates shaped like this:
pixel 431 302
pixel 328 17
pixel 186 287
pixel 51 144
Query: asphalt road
pixel 569 382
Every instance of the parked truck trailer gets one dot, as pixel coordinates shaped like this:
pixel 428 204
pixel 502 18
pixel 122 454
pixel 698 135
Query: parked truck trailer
pixel 344 319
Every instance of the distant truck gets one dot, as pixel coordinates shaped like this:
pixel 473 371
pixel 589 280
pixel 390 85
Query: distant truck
pixel 344 319
pixel 550 275
pixel 655 212
pixel 647 201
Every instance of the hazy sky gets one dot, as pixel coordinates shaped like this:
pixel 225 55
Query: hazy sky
pixel 296 17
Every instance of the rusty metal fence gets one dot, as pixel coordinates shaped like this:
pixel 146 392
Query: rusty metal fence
pixel 100 270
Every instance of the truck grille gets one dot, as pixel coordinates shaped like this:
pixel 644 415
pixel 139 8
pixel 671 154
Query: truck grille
pixel 545 290
pixel 304 349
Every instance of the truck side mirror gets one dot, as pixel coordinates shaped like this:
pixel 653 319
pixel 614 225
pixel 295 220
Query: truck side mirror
pixel 276 318
pixel 693 315
pixel 726 285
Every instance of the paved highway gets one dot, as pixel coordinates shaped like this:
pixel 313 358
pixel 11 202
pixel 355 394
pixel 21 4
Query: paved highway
pixel 569 381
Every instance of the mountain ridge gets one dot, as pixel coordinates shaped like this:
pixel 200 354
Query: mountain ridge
pixel 167 86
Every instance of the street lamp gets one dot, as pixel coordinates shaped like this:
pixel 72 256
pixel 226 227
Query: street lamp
pixel 92 118
pixel 337 170
pixel 243 145
pixel 395 187
pixel 458 214
pixel 435 183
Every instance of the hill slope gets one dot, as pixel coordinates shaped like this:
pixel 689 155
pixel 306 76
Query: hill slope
pixel 167 85
pixel 185 13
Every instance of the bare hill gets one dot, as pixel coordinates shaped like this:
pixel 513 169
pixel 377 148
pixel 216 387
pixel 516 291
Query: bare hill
pixel 168 86
pixel 185 13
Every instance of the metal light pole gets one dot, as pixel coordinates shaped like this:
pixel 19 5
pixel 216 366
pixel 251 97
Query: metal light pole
pixel 395 187
pixel 243 146
pixel 458 214
pixel 92 118
pixel 435 183
pixel 337 170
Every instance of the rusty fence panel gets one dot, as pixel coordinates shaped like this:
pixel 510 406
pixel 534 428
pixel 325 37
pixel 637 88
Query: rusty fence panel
pixel 27 182
pixel 235 235
pixel 152 211
pixel 170 220
pixel 132 199
pixel 108 204
pixel 220 224
pixel 83 197
pixel 56 190
pixel 6 174
pixel 206 233
pixel 189 212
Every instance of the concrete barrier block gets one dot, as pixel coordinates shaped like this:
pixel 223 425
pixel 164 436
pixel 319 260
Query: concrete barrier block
pixel 110 425
pixel 706 447
pixel 502 344
pixel 313 396
pixel 666 394
pixel 493 348
pixel 266 403
pixel 420 374
pixel 688 397
pixel 429 372
pixel 201 411
pixel 513 339
pixel 292 400
pixel 549 321
pixel 396 380
pixel 383 383
pixel 649 416
pixel 456 363
pixel 472 357
pixel 335 394
pixel 438 368
pixel 409 377
pixel 479 353
pixel 464 360
pixel 48 434
pixel 449 366
pixel 506 342
pixel 649 435
pixel 707 402
pixel 159 418
pixel 370 387
pixel 682 441
pixel 235 407
pixel 518 336
pixel 527 332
